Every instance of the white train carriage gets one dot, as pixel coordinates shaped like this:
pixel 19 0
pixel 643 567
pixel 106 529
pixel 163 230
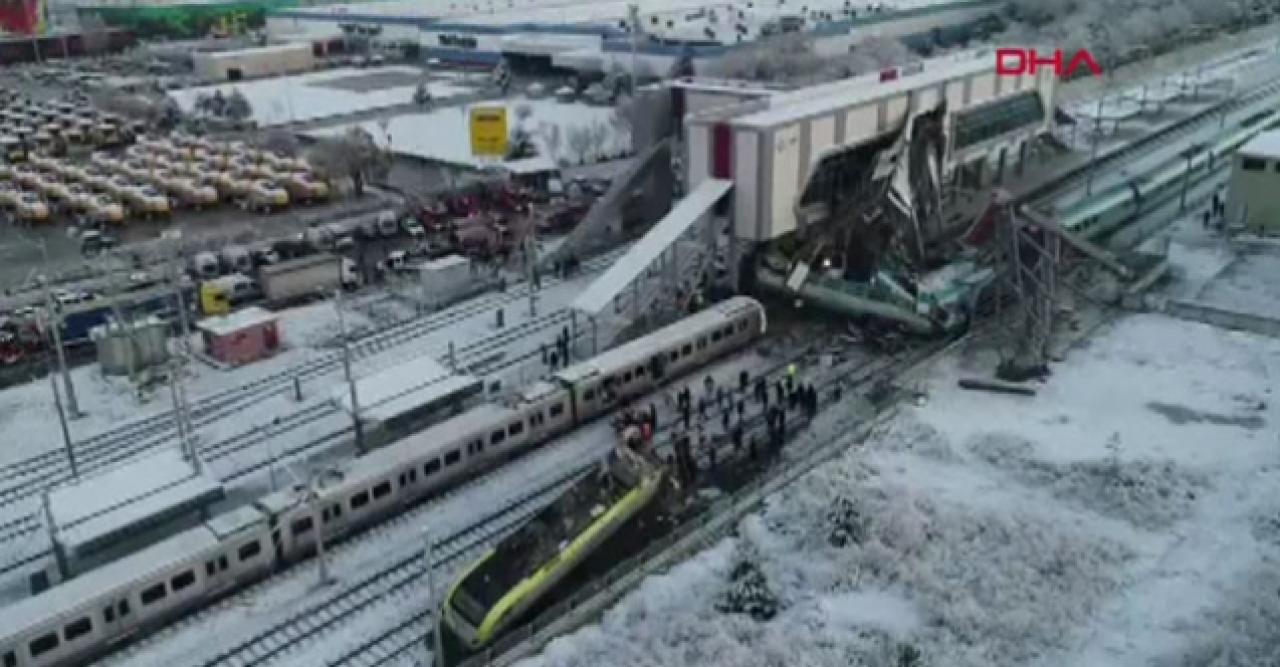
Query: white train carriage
pixel 76 620
pixel 69 623
pixel 385 481
pixel 640 366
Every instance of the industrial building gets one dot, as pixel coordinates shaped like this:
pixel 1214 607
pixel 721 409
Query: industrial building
pixel 1255 174
pixel 595 36
pixel 270 60
pixel 835 193
pixel 771 146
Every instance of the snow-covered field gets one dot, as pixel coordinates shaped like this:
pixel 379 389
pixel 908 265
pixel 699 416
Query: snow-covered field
pixel 444 135
pixel 304 97
pixel 1126 514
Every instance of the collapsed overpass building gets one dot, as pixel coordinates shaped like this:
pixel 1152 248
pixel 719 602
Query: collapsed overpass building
pixel 850 177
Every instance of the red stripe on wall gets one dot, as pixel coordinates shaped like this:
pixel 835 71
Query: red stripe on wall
pixel 722 151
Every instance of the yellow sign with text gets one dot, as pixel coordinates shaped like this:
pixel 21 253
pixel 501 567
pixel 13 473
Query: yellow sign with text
pixel 489 131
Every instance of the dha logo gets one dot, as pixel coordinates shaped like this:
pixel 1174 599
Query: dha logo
pixel 1016 62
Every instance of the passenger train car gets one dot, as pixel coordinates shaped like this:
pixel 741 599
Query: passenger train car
pixel 1116 207
pixel 86 616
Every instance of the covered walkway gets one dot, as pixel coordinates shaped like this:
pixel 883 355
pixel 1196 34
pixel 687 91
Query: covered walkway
pixel 662 266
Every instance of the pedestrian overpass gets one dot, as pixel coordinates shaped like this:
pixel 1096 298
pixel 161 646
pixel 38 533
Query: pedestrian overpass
pixel 653 282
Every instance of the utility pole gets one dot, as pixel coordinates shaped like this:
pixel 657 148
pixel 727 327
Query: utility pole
pixel 1093 153
pixel 346 371
pixel 436 617
pixel 271 452
pixel 184 442
pixel 55 327
pixel 175 268
pixel 313 497
pixel 531 262
pixel 62 418
pixel 633 14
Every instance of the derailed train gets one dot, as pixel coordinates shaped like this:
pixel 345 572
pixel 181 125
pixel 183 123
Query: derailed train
pixel 87 616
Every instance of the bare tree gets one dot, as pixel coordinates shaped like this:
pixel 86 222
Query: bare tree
pixel 599 134
pixel 280 141
pixel 237 109
pixel 422 95
pixel 523 112
pixel 353 154
pixel 579 141
pixel 551 139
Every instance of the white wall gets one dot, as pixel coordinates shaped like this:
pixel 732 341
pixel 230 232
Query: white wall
pixel 747 193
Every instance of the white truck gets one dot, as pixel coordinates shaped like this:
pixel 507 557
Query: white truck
pixel 305 277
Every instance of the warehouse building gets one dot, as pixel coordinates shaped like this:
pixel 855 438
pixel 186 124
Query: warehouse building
pixel 271 60
pixel 1255 179
pixel 596 36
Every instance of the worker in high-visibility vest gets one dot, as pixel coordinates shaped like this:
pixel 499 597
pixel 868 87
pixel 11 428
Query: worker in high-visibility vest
pixel 791 370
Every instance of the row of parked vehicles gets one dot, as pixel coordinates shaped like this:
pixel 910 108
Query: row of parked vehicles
pixel 152 178
pixel 56 127
pixel 257 179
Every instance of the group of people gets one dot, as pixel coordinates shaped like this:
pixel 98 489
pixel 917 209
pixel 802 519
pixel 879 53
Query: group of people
pixel 636 427
pixel 557 357
pixel 791 395
pixel 1217 211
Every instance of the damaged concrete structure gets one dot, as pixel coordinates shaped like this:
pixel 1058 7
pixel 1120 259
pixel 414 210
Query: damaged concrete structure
pixel 839 188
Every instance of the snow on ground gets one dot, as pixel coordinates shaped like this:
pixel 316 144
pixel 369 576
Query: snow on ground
pixel 444 134
pixel 27 410
pixel 282 596
pixel 1126 515
pixel 304 97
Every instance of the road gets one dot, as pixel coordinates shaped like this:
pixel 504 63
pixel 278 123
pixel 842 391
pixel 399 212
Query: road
pixel 20 258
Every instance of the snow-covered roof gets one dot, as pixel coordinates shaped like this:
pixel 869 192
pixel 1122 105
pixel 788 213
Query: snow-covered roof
pixel 1265 145
pixel 304 97
pixel 238 321
pixel 121 575
pixel 734 86
pixel 392 383
pixel 646 251
pixel 443 134
pixel 790 107
pixel 403 393
pixel 99 510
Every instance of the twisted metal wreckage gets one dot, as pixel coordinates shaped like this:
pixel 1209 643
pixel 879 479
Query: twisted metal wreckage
pixel 871 238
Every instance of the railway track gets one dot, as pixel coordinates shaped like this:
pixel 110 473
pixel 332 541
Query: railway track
pixel 361 594
pixel 1043 194
pixel 482 356
pixel 94 453
pixel 409 632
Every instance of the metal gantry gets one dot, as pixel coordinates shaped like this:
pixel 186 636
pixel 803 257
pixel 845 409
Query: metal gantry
pixel 1027 296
